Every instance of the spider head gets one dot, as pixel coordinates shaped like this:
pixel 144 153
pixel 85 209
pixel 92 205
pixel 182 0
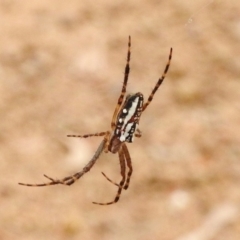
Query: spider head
pixel 115 144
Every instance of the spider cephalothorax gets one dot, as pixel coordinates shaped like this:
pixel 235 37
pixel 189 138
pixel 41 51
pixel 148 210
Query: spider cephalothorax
pixel 124 127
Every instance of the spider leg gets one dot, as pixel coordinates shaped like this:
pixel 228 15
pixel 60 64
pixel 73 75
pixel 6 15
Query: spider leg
pixel 121 184
pixel 105 134
pixel 116 184
pixel 73 178
pixel 129 164
pixel 88 135
pixel 159 82
pixel 124 87
pixel 138 134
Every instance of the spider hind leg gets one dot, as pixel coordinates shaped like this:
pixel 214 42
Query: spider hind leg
pixel 159 82
pixel 124 86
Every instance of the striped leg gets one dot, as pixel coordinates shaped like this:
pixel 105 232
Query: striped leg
pixel 105 134
pixel 121 184
pixel 73 178
pixel 124 87
pixel 89 135
pixel 160 80
pixel 129 164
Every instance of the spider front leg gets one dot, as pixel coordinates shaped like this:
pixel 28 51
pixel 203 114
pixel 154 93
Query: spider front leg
pixel 111 181
pixel 122 182
pixel 129 164
pixel 73 178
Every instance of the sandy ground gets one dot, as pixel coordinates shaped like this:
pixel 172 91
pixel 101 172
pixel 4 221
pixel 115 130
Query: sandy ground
pixel 61 70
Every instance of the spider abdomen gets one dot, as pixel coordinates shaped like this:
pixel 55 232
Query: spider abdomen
pixel 128 117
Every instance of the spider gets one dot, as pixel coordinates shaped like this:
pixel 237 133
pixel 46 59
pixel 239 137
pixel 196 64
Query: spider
pixel 124 127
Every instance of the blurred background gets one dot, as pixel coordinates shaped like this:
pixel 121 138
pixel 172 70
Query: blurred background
pixel 61 72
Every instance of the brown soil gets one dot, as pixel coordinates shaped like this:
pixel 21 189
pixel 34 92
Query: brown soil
pixel 61 70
